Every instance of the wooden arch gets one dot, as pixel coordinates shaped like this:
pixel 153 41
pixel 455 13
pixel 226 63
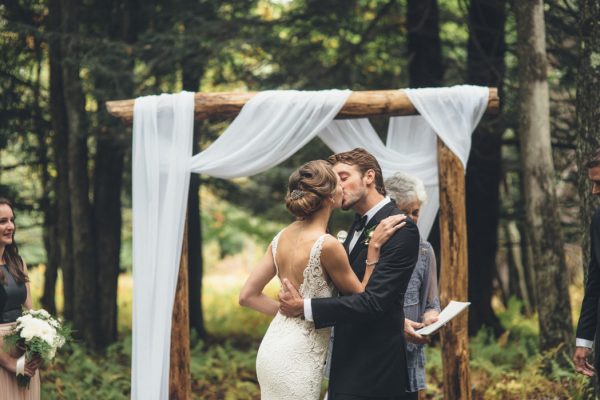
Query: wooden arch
pixel 452 220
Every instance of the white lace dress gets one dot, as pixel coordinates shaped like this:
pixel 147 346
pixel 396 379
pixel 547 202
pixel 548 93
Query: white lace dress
pixel 290 359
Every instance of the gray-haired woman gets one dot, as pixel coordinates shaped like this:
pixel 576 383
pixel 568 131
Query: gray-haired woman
pixel 421 302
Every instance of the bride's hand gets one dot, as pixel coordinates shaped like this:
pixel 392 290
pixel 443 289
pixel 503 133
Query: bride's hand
pixel 385 229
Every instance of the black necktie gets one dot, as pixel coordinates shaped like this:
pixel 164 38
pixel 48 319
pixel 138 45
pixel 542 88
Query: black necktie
pixel 359 222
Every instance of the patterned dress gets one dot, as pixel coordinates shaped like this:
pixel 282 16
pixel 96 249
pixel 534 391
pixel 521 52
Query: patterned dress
pixel 421 296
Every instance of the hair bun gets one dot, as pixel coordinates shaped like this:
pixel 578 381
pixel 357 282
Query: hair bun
pixel 308 187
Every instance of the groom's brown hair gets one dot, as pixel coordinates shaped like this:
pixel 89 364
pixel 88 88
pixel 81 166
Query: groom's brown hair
pixel 593 160
pixel 364 161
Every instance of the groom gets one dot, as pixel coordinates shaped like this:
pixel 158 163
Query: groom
pixel 368 360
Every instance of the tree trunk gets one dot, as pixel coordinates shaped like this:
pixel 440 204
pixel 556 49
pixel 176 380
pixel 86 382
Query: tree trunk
pixel 588 113
pixel 528 264
pixel 518 279
pixel 191 75
pixel 109 164
pixel 195 259
pixel 85 302
pixel 543 224
pixel 485 66
pixel 58 115
pixel 425 66
pixel 47 207
pixel 108 177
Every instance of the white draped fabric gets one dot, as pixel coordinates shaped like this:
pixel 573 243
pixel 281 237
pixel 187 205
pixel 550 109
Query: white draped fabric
pixel 448 113
pixel 271 127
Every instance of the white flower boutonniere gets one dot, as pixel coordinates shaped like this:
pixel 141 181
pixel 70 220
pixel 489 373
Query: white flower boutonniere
pixel 369 234
pixel 341 236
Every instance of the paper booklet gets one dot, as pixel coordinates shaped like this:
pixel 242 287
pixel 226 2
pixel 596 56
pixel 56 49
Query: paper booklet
pixel 448 313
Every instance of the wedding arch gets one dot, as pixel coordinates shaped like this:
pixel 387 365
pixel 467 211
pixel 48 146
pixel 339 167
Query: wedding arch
pixel 429 135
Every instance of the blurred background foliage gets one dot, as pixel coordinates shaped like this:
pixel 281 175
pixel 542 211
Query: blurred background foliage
pixel 66 164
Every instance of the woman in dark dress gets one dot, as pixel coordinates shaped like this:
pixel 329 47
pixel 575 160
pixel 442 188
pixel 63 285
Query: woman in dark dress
pixel 14 295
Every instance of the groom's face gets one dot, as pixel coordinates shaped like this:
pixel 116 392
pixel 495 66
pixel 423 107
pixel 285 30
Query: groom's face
pixel 353 184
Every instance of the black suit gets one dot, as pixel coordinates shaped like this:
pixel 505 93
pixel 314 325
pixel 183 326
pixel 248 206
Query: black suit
pixel 588 320
pixel 369 360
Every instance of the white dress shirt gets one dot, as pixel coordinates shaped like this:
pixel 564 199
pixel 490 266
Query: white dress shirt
pixel 584 343
pixel 356 234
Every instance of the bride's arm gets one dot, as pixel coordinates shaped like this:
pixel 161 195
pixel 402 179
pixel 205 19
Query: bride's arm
pixel 335 261
pixel 384 230
pixel 252 295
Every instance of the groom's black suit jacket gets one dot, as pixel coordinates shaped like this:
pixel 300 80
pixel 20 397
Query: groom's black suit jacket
pixel 369 359
pixel 589 320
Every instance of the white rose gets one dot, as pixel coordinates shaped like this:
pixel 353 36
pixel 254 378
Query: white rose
pixel 49 337
pixel 37 328
pixel 341 236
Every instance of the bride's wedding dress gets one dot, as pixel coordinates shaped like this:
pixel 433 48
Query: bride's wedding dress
pixel 290 359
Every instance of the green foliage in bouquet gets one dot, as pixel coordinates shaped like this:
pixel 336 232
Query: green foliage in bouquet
pixel 39 335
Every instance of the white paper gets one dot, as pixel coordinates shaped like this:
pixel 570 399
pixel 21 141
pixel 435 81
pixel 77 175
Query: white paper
pixel 448 313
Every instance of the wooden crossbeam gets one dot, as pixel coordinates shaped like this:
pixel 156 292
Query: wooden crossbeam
pixel 364 104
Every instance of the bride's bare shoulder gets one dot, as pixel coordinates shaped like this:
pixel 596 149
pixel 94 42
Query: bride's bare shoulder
pixel 331 245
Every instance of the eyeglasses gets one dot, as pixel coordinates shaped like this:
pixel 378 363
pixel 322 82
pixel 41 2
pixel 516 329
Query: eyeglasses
pixel 412 213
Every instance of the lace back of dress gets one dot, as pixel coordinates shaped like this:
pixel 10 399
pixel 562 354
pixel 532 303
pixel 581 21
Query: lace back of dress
pixel 314 284
pixel 274 244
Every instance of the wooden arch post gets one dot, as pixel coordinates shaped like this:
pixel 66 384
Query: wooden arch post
pixel 453 233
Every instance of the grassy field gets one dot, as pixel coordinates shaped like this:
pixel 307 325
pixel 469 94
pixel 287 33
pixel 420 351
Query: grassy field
pixel 223 367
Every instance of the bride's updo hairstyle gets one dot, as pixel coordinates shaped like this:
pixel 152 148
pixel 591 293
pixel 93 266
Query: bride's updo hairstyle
pixel 308 187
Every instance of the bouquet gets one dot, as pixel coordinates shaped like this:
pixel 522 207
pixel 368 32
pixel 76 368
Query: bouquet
pixel 39 335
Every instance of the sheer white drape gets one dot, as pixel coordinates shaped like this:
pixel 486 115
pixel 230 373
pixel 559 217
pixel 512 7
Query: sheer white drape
pixel 448 113
pixel 270 128
pixel 162 147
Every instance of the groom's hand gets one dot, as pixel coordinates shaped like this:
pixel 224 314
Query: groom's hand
pixel 291 304
pixel 410 333
pixel 580 359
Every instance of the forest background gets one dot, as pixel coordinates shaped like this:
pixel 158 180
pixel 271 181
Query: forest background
pixel 66 163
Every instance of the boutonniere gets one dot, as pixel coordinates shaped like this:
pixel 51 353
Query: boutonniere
pixel 369 234
pixel 341 236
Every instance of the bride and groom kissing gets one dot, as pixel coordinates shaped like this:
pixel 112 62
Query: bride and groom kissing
pixel 370 270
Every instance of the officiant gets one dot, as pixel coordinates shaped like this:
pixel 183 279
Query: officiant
pixel 421 302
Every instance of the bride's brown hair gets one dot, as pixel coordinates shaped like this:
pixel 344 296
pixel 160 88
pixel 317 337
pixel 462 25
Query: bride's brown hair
pixel 308 187
pixel 11 255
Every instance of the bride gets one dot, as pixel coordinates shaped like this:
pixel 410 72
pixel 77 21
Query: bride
pixel 291 356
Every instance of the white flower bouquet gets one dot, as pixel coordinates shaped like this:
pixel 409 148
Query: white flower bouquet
pixel 39 335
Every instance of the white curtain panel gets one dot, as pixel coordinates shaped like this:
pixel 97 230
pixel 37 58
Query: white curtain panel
pixel 270 128
pixel 162 147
